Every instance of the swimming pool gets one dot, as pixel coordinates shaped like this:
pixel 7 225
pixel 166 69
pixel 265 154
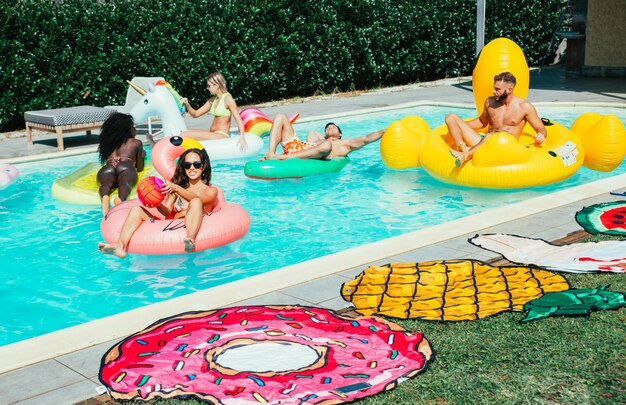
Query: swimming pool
pixel 54 277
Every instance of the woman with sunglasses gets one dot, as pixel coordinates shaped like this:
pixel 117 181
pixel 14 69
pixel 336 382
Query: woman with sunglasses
pixel 188 195
pixel 123 157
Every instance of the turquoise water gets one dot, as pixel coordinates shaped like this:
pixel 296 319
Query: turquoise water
pixel 54 277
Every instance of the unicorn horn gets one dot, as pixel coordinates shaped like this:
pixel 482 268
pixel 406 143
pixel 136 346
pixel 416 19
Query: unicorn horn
pixel 137 88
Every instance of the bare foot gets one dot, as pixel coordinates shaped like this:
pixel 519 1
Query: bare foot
pixel 463 147
pixel 274 156
pixel 190 244
pixel 117 200
pixel 459 158
pixel 270 156
pixel 116 250
pixel 150 139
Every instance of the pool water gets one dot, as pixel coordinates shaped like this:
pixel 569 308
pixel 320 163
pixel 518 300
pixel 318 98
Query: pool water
pixel 54 277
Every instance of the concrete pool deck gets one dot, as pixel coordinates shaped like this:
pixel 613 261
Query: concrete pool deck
pixel 65 363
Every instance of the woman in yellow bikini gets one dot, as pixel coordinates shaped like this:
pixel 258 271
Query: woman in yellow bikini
pixel 222 107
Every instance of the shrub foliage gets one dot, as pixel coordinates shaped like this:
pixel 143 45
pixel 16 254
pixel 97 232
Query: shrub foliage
pixel 59 53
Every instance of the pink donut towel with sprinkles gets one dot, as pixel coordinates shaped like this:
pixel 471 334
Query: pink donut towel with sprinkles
pixel 264 354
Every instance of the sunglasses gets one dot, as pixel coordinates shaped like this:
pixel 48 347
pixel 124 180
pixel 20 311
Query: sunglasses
pixel 197 164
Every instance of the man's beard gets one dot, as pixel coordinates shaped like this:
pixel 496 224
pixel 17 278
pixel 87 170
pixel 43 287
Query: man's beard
pixel 502 97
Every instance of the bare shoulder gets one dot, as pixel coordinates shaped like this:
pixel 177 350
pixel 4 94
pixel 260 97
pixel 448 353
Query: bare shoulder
pixel 211 191
pixel 228 99
pixel 526 106
pixel 520 101
pixel 136 142
pixel 207 194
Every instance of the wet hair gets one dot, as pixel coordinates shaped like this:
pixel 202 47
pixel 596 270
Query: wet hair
pixel 180 176
pixel 217 79
pixel 506 77
pixel 115 131
pixel 332 123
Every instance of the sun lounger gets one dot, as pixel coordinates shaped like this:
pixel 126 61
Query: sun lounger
pixel 62 120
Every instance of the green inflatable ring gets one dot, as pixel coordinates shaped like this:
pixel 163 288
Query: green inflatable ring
pixel 282 169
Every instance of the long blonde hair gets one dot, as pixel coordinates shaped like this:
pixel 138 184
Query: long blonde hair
pixel 218 79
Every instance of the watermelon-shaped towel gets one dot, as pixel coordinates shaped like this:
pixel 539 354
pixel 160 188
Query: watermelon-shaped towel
pixel 573 302
pixel 448 290
pixel 608 218
pixel 588 257
pixel 264 355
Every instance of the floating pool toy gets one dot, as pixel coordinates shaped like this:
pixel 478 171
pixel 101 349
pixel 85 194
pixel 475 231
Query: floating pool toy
pixel 149 191
pixel 254 121
pixel 403 141
pixel 264 354
pixel 603 139
pixel 163 101
pixel 505 162
pixel 604 256
pixel 502 161
pixel 499 55
pixel 165 153
pixel 574 302
pixel 293 168
pixel 229 148
pixel 8 174
pixel 227 223
pixel 81 186
pixel 181 107
pixel 448 290
pixel 608 218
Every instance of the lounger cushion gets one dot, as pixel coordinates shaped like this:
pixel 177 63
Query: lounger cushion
pixel 68 116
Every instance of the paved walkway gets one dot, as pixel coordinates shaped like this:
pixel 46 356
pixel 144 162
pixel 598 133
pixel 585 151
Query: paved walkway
pixel 72 377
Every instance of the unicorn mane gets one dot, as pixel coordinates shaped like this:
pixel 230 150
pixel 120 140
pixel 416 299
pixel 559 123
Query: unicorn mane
pixel 174 93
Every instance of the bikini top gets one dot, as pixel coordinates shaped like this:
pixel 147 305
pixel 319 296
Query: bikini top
pixel 218 108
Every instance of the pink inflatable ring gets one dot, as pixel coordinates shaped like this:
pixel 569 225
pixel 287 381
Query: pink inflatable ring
pixel 225 224
pixel 265 354
pixel 8 174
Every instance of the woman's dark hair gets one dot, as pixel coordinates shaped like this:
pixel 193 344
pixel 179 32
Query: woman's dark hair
pixel 180 176
pixel 115 131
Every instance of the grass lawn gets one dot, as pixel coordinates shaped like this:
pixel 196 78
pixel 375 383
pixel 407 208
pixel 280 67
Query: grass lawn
pixel 497 360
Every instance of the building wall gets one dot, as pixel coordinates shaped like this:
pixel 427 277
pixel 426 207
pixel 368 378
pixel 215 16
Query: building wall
pixel 605 43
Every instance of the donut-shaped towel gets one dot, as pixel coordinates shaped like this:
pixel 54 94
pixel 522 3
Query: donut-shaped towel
pixel 264 354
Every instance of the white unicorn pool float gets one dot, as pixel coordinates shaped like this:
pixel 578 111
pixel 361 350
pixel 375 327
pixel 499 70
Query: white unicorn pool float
pixel 159 100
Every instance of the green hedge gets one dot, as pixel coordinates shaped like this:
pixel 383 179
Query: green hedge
pixel 71 52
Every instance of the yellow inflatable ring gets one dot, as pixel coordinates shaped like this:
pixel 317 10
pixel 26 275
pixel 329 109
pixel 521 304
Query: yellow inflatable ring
pixel 504 162
pixel 81 186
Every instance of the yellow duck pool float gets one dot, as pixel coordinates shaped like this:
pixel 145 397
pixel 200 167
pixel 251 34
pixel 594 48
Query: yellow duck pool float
pixel 503 161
